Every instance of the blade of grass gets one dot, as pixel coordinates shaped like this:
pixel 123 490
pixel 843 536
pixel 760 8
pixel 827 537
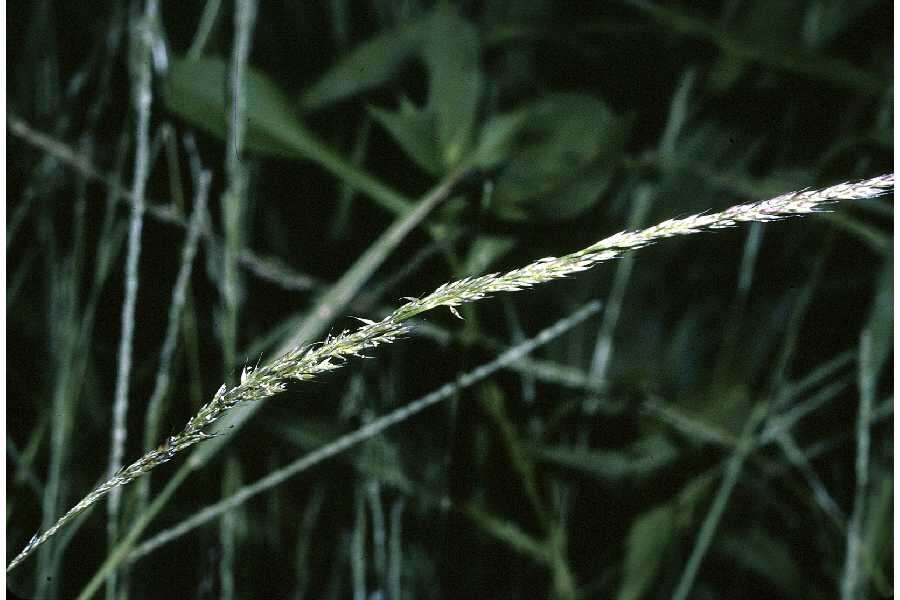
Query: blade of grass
pixel 118 554
pixel 305 539
pixel 207 22
pixel 379 551
pixel 720 501
pixel 603 347
pixel 24 472
pixel 154 411
pixel 820 493
pixel 311 326
pixel 346 193
pixel 305 363
pixel 268 268
pixel 366 432
pixel 358 548
pixel 853 585
pixel 229 532
pixel 142 96
pixel 395 559
pixel 234 198
pixel 835 71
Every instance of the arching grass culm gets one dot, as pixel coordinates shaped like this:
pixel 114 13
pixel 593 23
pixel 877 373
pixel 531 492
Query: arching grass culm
pixel 327 299
pixel 305 363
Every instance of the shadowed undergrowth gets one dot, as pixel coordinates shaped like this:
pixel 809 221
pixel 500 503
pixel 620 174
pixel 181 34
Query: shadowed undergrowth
pixel 200 196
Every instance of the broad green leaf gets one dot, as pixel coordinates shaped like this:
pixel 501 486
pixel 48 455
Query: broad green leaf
pixel 196 89
pixel 566 153
pixel 452 55
pixel 413 128
pixel 367 66
pixel 648 540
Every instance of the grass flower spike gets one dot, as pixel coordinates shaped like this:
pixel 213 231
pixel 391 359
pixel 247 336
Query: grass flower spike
pixel 306 363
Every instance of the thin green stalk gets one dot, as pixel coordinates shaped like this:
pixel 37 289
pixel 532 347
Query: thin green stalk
pixel 820 493
pixel 603 347
pixel 305 540
pixel 508 533
pixel 379 551
pixel 852 581
pixel 731 338
pixel 367 431
pixel 267 268
pixel 786 420
pixel 818 375
pixel 24 472
pixel 117 555
pixel 142 98
pixel 207 20
pixel 339 296
pixel 67 329
pixel 176 308
pixel 395 559
pixel 234 199
pixel 304 364
pixel 354 177
pixel 835 71
pixel 711 523
pixel 18 215
pixel 778 377
pixel 229 532
pixel 346 193
pixel 314 325
pixel 358 548
pixel 187 313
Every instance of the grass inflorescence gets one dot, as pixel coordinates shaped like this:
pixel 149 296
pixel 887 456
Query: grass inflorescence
pixel 200 196
pixel 307 363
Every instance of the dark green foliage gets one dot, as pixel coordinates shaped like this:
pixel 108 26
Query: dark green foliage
pixel 564 477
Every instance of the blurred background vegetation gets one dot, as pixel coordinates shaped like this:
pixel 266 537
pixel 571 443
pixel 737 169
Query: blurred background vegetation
pixel 699 437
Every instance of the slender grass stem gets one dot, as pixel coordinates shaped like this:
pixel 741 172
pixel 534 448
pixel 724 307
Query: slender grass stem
pixel 176 308
pixel 395 547
pixel 128 540
pixel 265 267
pixel 367 431
pixel 207 20
pixel 358 547
pixel 342 292
pixel 234 199
pixel 604 344
pixel 306 363
pixel 820 493
pixel 852 581
pixel 142 98
pixel 355 276
pixel 711 523
pixel 838 72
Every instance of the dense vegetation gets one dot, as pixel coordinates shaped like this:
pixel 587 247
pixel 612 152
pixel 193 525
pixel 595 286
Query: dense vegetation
pixel 707 417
